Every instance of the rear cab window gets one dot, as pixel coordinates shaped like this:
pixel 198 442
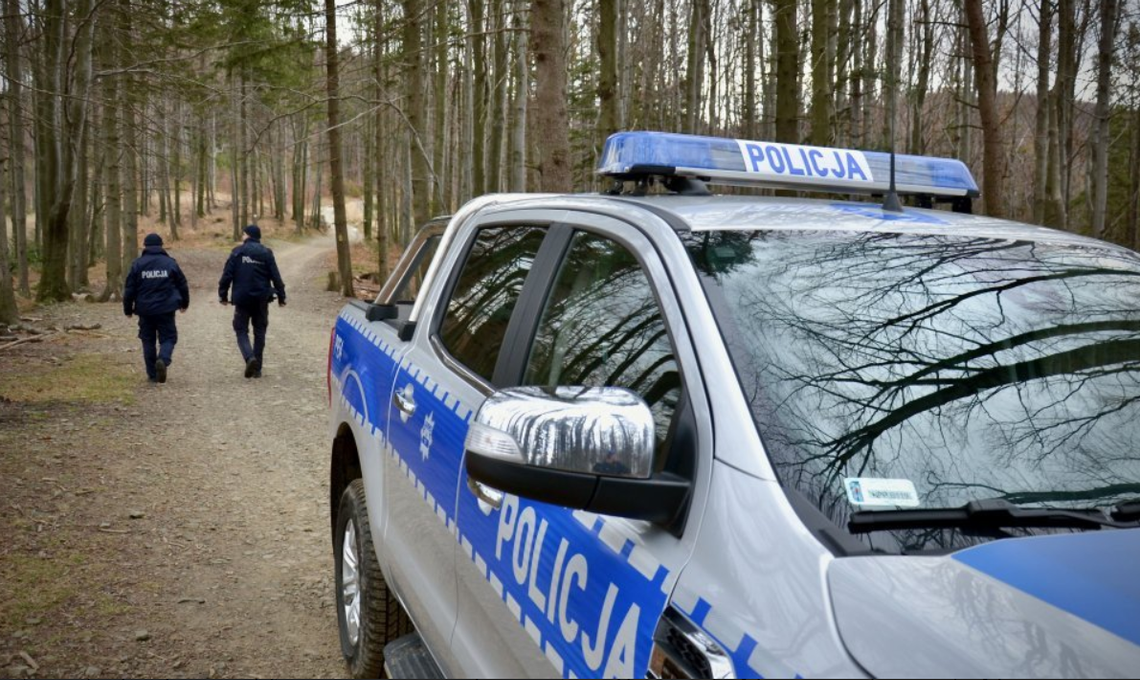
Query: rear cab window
pixel 485 293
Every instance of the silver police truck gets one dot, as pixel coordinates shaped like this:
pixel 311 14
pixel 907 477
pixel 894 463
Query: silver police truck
pixel 657 432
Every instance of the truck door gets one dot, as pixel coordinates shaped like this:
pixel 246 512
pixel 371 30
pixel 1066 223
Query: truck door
pixel 442 377
pixel 544 591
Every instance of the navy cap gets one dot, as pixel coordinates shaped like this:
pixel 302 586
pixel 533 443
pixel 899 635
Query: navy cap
pixel 152 241
pixel 254 232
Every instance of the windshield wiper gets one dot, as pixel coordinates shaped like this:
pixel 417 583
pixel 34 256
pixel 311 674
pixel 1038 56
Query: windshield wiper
pixel 993 514
pixel 1127 512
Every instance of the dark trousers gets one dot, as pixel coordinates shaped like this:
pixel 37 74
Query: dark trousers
pixel 159 335
pixel 258 315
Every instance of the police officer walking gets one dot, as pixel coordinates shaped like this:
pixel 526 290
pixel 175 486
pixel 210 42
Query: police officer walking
pixel 253 274
pixel 155 290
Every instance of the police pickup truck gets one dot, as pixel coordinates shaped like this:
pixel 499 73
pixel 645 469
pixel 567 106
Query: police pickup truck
pixel 662 433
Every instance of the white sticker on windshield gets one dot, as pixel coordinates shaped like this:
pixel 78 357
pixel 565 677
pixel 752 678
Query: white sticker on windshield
pixel 868 492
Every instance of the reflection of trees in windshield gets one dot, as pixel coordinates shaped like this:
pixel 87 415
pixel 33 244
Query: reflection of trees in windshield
pixel 974 367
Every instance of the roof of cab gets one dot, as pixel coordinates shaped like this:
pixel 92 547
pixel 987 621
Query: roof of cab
pixel 719 213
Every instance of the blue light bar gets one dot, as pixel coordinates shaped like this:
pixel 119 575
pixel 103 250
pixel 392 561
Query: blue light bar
pixel 628 155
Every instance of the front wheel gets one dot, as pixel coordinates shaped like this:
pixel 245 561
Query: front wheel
pixel 368 614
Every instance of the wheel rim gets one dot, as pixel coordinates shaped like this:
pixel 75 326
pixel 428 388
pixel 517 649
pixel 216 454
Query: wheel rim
pixel 350 584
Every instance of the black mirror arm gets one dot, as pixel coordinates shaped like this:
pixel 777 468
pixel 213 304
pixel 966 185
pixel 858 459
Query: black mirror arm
pixel 660 499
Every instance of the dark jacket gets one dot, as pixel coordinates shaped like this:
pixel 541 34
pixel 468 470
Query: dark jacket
pixel 155 285
pixel 252 271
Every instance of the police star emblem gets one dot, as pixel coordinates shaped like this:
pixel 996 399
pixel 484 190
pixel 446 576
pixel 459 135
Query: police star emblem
pixel 426 435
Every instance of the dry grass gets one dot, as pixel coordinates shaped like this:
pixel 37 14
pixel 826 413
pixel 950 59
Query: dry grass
pixel 84 378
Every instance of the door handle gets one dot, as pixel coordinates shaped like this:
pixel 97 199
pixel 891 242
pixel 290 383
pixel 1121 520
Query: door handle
pixel 405 401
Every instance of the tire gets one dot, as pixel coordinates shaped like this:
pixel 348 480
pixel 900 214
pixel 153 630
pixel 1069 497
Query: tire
pixel 381 618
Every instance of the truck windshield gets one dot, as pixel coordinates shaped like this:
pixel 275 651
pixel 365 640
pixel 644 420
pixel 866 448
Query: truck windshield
pixel 972 368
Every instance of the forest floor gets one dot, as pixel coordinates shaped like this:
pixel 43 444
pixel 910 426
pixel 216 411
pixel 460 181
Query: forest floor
pixel 176 530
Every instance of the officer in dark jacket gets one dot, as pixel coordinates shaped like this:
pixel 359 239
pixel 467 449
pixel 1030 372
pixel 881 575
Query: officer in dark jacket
pixel 253 274
pixel 155 290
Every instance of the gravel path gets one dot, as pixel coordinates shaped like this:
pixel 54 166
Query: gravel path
pixel 225 569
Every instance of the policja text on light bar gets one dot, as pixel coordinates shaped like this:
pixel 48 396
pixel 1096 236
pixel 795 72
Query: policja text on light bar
pixel 631 155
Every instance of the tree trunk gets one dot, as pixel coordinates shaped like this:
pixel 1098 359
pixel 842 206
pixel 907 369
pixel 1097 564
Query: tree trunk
pixel 478 47
pixel 336 173
pixel 822 70
pixel 387 176
pixel 1108 30
pixel 552 128
pixel 113 153
pixel 922 87
pixel 368 180
pixel 442 131
pixel 417 110
pixel 19 203
pixel 893 68
pixel 1066 77
pixel 787 73
pixel 856 133
pixel 130 157
pixel 235 161
pixel 1134 184
pixel 9 312
pixel 607 45
pixel 751 36
pixel 78 247
pixel 695 71
pixel 176 171
pixel 993 160
pixel 522 95
pixel 1041 127
pixel 498 102
pixel 71 107
pixel 243 148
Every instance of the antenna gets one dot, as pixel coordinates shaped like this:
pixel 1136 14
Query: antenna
pixel 891 202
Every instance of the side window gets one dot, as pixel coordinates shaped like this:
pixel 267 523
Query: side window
pixel 602 327
pixel 489 286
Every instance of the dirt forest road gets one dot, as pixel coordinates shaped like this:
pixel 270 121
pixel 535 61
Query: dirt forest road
pixel 184 533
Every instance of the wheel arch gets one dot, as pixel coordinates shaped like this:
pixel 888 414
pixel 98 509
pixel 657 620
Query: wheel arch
pixel 344 467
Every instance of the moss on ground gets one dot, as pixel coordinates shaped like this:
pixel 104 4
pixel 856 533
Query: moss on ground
pixel 84 378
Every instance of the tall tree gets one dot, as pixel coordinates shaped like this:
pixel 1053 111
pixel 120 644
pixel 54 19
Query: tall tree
pixel 416 113
pixel 924 30
pixel 694 73
pixel 993 158
pixel 113 153
pixel 15 82
pixel 1109 27
pixel 609 120
pixel 551 118
pixel 823 30
pixel 1041 128
pixel 893 67
pixel 336 172
pixel 787 72
pixel 9 312
pixel 70 105
pixel 522 97
pixel 477 41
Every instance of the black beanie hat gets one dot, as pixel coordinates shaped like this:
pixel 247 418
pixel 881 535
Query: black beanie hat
pixel 254 232
pixel 152 241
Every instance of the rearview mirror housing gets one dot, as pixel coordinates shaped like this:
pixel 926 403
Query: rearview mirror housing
pixel 585 448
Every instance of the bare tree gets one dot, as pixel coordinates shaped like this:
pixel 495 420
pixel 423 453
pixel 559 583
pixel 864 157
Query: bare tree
pixel 548 44
pixel 336 173
pixel 12 26
pixel 994 156
pixel 1109 28
pixel 787 72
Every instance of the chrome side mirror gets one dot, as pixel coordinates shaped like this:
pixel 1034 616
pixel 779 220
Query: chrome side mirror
pixel 605 431
pixel 585 448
